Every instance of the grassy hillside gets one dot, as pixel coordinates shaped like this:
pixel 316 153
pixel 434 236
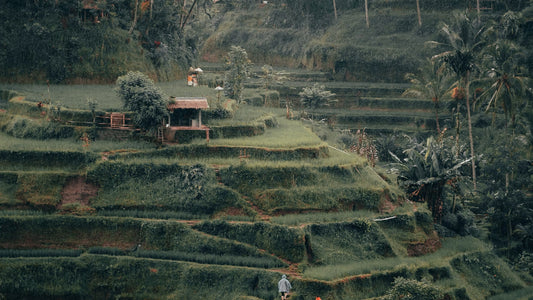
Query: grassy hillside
pixel 296 34
pixel 149 221
pixel 91 212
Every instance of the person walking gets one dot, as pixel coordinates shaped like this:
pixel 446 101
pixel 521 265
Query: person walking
pixel 284 287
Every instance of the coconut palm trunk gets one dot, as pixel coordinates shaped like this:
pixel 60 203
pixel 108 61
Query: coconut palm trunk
pixel 418 12
pixel 478 11
pixel 366 14
pixel 437 115
pixel 467 97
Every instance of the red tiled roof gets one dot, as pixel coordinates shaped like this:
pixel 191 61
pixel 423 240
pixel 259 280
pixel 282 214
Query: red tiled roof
pixel 188 102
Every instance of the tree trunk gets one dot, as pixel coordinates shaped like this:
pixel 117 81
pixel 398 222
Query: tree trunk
pixel 470 130
pixel 418 12
pixel 457 127
pixel 335 9
pixel 151 9
pixel 478 11
pixel 437 117
pixel 150 20
pixel 188 15
pixel 134 17
pixel 432 195
pixel 509 233
pixel 366 14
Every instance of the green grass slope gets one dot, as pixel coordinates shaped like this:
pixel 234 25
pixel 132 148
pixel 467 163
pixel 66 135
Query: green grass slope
pixel 211 221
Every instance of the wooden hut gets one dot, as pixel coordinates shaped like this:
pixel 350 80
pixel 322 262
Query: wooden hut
pixel 185 114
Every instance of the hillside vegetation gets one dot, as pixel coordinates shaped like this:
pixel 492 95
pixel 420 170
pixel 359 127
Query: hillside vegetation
pixel 319 160
pixel 97 41
pixel 132 219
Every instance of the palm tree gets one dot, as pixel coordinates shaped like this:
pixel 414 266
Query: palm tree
pixel 464 40
pixel 508 85
pixel 432 82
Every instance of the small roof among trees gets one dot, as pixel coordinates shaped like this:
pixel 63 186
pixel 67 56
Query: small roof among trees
pixel 188 102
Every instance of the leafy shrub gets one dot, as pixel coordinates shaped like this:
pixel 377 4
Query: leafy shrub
pixel 234 260
pixel 155 214
pixel 40 253
pixel 96 276
pixel 459 223
pixel 280 240
pixel 22 127
pixel 524 262
pixel 246 179
pixel 45 158
pixel 224 151
pixel 217 113
pixel 338 243
pixel 41 191
pixel 141 96
pixel 178 237
pixel 412 289
pixel 76 209
pixel 340 197
pixel 405 222
pixel 191 189
pixel 106 251
pixel 485 271
pixel 238 130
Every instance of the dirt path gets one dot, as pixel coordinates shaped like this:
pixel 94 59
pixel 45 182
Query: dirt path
pixel 77 190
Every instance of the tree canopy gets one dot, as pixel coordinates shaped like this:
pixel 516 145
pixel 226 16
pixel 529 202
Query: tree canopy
pixel 142 97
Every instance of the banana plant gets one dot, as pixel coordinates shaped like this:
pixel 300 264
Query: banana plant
pixel 428 168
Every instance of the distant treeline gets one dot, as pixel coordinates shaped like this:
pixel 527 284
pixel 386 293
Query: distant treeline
pixel 84 41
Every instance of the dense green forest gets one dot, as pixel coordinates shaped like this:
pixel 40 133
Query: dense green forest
pixel 370 149
pixel 97 41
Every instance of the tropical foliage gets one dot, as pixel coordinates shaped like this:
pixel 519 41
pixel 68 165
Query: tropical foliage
pixel 315 97
pixel 237 68
pixel 432 82
pixel 428 169
pixel 140 95
pixel 508 84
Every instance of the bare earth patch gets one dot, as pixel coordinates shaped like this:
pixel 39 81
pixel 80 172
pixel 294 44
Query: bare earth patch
pixel 77 190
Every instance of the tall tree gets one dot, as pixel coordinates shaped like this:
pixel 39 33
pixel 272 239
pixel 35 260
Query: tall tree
pixel 431 82
pixel 464 41
pixel 238 65
pixel 140 95
pixel 508 82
